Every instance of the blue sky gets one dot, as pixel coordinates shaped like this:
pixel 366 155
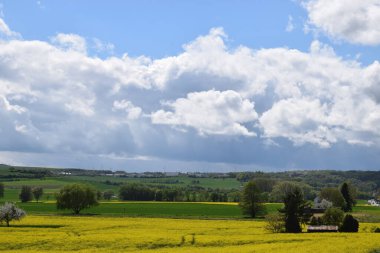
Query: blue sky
pixel 190 85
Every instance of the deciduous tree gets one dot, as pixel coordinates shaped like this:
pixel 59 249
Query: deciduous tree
pixel 76 197
pixel 26 193
pixel 10 212
pixel 333 195
pixel 37 193
pixel 333 216
pixel 251 201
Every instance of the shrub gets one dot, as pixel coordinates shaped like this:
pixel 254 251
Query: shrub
pixel 350 224
pixel 376 230
pixel 107 195
pixel 275 223
pixel 9 212
pixel 316 221
pixel 333 216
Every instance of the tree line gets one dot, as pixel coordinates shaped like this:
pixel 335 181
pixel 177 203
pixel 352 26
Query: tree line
pixel 297 210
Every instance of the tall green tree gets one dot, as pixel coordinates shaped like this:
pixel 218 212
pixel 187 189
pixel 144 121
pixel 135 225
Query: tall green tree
pixel 1 190
pixel 37 192
pixel 76 197
pixel 251 200
pixel 26 193
pixel 348 196
pixel 295 208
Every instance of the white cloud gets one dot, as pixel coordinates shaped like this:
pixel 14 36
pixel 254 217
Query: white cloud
pixel 133 112
pixel 290 25
pixel 101 46
pixel 5 30
pixel 355 21
pixel 210 112
pixel 70 42
pixel 58 99
pixel 300 120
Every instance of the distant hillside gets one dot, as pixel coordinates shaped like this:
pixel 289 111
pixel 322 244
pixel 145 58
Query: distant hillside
pixel 367 182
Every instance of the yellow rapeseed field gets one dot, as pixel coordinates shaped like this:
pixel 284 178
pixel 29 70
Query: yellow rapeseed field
pixel 110 234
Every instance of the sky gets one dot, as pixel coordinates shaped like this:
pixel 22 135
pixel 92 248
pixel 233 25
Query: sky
pixel 201 85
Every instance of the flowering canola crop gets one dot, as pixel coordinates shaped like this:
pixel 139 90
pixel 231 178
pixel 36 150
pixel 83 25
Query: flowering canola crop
pixel 110 234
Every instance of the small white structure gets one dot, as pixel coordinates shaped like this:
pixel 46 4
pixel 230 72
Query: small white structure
pixel 65 173
pixel 322 228
pixel 373 202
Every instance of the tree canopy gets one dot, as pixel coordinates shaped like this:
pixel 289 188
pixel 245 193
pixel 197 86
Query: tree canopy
pixel 10 212
pixel 1 190
pixel 251 201
pixel 76 197
pixel 37 193
pixel 348 194
pixel 294 208
pixel 26 193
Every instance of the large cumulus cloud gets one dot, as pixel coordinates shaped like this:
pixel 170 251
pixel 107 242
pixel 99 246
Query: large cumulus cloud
pixel 208 103
pixel 210 112
pixel 355 21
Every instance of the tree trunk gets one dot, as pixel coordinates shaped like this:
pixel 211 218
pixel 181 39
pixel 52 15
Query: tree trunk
pixel 7 223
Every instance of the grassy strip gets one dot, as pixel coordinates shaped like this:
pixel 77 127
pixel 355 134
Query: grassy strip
pixel 151 209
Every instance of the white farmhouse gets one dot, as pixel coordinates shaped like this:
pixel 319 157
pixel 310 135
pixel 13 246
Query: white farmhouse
pixel 373 202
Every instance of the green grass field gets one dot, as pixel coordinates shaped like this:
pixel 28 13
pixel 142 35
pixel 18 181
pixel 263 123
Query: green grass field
pixel 176 210
pixel 52 185
pixel 100 182
pixel 151 209
pixel 156 209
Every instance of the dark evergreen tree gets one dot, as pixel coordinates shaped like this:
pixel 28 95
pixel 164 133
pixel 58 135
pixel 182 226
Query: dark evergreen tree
pixel 350 224
pixel 348 197
pixel 295 209
pixel 1 190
